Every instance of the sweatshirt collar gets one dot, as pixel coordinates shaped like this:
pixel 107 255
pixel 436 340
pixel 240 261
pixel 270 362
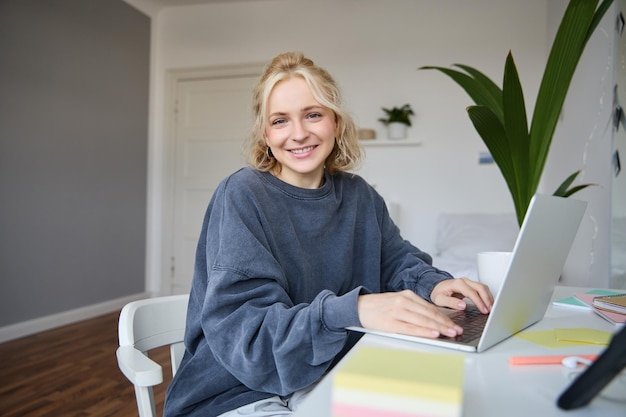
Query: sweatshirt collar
pixel 297 192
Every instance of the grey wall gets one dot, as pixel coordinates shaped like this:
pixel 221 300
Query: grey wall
pixel 73 153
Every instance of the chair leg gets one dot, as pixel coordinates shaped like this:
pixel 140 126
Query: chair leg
pixel 145 401
pixel 177 350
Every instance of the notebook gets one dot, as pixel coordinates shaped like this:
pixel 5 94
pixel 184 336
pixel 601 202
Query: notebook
pixel 541 249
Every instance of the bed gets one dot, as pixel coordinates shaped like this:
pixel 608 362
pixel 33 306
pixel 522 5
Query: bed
pixel 460 236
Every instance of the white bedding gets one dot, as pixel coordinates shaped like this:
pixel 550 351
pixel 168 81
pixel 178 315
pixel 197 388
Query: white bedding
pixel 460 236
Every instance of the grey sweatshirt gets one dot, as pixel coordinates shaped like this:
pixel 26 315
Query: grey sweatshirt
pixel 277 275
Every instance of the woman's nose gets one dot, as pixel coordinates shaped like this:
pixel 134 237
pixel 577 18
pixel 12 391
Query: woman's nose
pixel 299 131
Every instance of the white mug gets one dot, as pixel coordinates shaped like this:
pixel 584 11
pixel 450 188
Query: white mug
pixel 491 268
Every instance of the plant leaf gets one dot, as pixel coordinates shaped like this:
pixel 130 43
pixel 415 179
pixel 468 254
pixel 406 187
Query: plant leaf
pixel 492 132
pixel 479 90
pixel 494 91
pixel 597 17
pixel 516 127
pixel 576 189
pixel 565 191
pixel 564 186
pixel 566 51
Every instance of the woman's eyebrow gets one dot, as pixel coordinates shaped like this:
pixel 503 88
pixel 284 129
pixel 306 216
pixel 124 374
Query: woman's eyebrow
pixel 303 110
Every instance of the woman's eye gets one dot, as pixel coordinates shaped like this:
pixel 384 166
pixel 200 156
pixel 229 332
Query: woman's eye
pixel 315 115
pixel 278 122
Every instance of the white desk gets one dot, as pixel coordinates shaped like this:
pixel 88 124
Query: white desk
pixel 492 387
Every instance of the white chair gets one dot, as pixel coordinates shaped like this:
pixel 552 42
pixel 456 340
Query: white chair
pixel 145 325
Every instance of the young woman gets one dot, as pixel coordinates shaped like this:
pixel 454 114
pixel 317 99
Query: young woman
pixel 293 250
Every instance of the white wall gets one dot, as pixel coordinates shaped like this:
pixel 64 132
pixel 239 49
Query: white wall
pixel 583 140
pixel 373 48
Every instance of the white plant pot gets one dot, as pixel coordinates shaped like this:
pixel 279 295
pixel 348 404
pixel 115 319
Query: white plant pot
pixel 396 130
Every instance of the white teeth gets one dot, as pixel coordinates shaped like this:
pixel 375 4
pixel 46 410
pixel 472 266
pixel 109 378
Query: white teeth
pixel 302 150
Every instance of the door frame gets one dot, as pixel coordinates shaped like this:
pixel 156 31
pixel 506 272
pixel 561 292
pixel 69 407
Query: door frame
pixel 173 78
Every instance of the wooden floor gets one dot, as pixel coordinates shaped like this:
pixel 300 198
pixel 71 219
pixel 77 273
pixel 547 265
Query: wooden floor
pixel 70 372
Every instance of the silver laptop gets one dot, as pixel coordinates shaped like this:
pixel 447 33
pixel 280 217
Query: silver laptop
pixel 540 252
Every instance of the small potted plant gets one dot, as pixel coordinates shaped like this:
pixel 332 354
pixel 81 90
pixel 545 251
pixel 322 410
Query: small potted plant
pixel 397 121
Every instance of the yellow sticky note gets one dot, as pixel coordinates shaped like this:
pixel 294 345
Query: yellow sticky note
pixel 545 338
pixel 403 373
pixel 559 338
pixel 376 381
pixel 583 335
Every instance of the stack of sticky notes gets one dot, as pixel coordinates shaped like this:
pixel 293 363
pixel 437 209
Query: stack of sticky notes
pixel 377 381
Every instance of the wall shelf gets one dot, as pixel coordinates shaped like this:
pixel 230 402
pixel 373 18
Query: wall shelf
pixel 366 143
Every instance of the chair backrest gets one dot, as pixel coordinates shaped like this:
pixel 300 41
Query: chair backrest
pixel 144 325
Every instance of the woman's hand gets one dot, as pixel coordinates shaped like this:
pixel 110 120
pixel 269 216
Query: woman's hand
pixel 407 313
pixel 450 293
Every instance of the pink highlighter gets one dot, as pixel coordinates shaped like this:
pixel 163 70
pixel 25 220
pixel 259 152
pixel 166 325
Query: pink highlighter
pixel 547 360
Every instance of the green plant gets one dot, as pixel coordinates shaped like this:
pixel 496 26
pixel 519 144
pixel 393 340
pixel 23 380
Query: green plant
pixel 398 114
pixel 499 114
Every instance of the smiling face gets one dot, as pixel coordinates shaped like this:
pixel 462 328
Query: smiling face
pixel 300 132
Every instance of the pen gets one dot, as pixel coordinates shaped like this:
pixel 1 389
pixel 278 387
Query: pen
pixel 545 360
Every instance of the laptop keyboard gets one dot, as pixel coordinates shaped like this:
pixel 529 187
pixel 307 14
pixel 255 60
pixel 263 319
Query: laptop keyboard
pixel 472 321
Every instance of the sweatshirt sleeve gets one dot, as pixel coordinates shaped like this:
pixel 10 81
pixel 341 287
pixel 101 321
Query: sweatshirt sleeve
pixel 268 343
pixel 265 339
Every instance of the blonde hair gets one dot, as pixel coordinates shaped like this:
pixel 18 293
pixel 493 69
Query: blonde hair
pixel 346 153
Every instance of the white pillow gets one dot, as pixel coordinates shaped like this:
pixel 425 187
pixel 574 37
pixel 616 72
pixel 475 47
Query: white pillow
pixel 462 236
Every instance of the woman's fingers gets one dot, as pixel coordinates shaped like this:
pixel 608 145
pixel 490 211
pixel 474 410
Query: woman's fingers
pixel 449 293
pixel 404 312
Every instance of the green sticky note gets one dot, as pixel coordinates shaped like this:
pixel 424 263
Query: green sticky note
pixel 572 301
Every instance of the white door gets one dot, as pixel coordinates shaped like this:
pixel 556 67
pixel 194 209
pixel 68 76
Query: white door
pixel 212 120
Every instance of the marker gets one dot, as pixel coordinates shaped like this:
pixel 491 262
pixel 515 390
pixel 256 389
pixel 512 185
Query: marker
pixel 545 360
